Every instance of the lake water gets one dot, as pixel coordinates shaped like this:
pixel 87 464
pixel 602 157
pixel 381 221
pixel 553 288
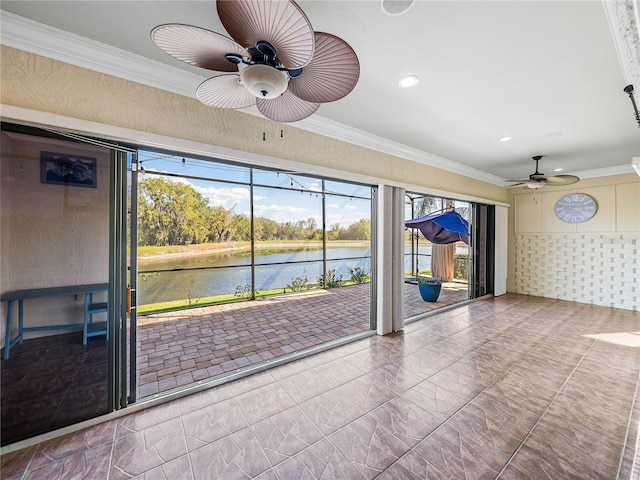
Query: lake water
pixel 234 271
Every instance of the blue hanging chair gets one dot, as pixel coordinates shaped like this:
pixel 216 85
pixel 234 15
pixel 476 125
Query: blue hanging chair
pixel 442 228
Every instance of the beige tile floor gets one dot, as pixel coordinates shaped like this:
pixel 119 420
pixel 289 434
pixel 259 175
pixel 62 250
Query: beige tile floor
pixel 515 387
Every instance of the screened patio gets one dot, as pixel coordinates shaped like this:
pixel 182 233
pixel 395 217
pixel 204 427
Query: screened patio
pixel 185 346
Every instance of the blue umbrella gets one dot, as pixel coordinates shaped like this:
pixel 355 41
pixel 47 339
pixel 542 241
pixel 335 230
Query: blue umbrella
pixel 441 228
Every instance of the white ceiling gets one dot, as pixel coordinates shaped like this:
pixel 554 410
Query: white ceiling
pixel 548 73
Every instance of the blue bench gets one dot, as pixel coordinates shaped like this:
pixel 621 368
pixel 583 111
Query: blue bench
pixel 90 308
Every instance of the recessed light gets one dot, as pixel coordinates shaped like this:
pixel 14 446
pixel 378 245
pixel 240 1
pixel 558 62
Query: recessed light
pixel 408 81
pixel 504 139
pixel 396 7
pixel 558 169
pixel 553 134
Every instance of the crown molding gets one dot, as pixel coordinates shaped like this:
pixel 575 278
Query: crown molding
pixel 40 39
pixel 34 37
pixel 624 22
pixel 605 172
pixel 329 128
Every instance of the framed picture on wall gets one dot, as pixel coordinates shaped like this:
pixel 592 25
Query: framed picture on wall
pixel 63 169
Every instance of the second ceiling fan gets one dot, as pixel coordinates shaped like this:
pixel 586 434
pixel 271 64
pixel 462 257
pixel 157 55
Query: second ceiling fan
pixel 539 180
pixel 281 65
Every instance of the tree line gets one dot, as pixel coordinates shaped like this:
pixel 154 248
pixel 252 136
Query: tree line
pixel 174 213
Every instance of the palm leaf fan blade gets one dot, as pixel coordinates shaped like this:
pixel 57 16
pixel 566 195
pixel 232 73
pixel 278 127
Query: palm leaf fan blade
pixel 332 74
pixel 282 23
pixel 197 46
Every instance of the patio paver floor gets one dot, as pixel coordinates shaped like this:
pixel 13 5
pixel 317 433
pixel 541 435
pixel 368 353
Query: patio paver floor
pixel 181 347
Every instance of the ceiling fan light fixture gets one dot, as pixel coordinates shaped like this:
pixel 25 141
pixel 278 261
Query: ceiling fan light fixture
pixel 264 81
pixel 534 185
pixel 505 139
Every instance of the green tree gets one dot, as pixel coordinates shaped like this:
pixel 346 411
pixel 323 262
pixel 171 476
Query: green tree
pixel 311 229
pixel 220 221
pixel 334 232
pixel 171 213
pixel 240 228
pixel 360 230
pixel 426 205
pixel 265 228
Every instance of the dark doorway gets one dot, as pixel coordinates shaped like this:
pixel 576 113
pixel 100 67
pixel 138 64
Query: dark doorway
pixel 483 248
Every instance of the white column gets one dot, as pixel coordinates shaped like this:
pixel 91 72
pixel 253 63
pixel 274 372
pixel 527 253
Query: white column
pixel 390 259
pixel 501 239
pixel 397 319
pixel 384 294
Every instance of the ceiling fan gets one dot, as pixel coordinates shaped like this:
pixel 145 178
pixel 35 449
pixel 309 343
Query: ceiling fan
pixel 281 65
pixel 539 180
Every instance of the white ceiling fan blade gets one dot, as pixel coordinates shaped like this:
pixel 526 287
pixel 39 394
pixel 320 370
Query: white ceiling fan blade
pixel 332 73
pixel 286 108
pixel 282 23
pixel 225 91
pixel 197 46
pixel 559 180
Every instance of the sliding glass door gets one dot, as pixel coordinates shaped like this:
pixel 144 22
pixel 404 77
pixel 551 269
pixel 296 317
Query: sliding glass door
pixel 57 283
pixel 239 266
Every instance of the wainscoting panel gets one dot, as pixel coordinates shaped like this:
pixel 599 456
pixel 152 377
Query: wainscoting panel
pixel 599 269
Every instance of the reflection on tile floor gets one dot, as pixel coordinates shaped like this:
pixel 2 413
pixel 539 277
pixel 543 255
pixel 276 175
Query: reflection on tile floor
pixel 50 382
pixel 180 347
pixel 511 388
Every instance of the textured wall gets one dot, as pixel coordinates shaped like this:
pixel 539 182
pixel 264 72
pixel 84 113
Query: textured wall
pixel 46 85
pixel 51 235
pixel 594 262
pixel 600 269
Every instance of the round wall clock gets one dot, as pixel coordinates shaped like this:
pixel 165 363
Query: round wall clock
pixel 576 208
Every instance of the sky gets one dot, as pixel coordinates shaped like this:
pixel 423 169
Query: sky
pixel 280 205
